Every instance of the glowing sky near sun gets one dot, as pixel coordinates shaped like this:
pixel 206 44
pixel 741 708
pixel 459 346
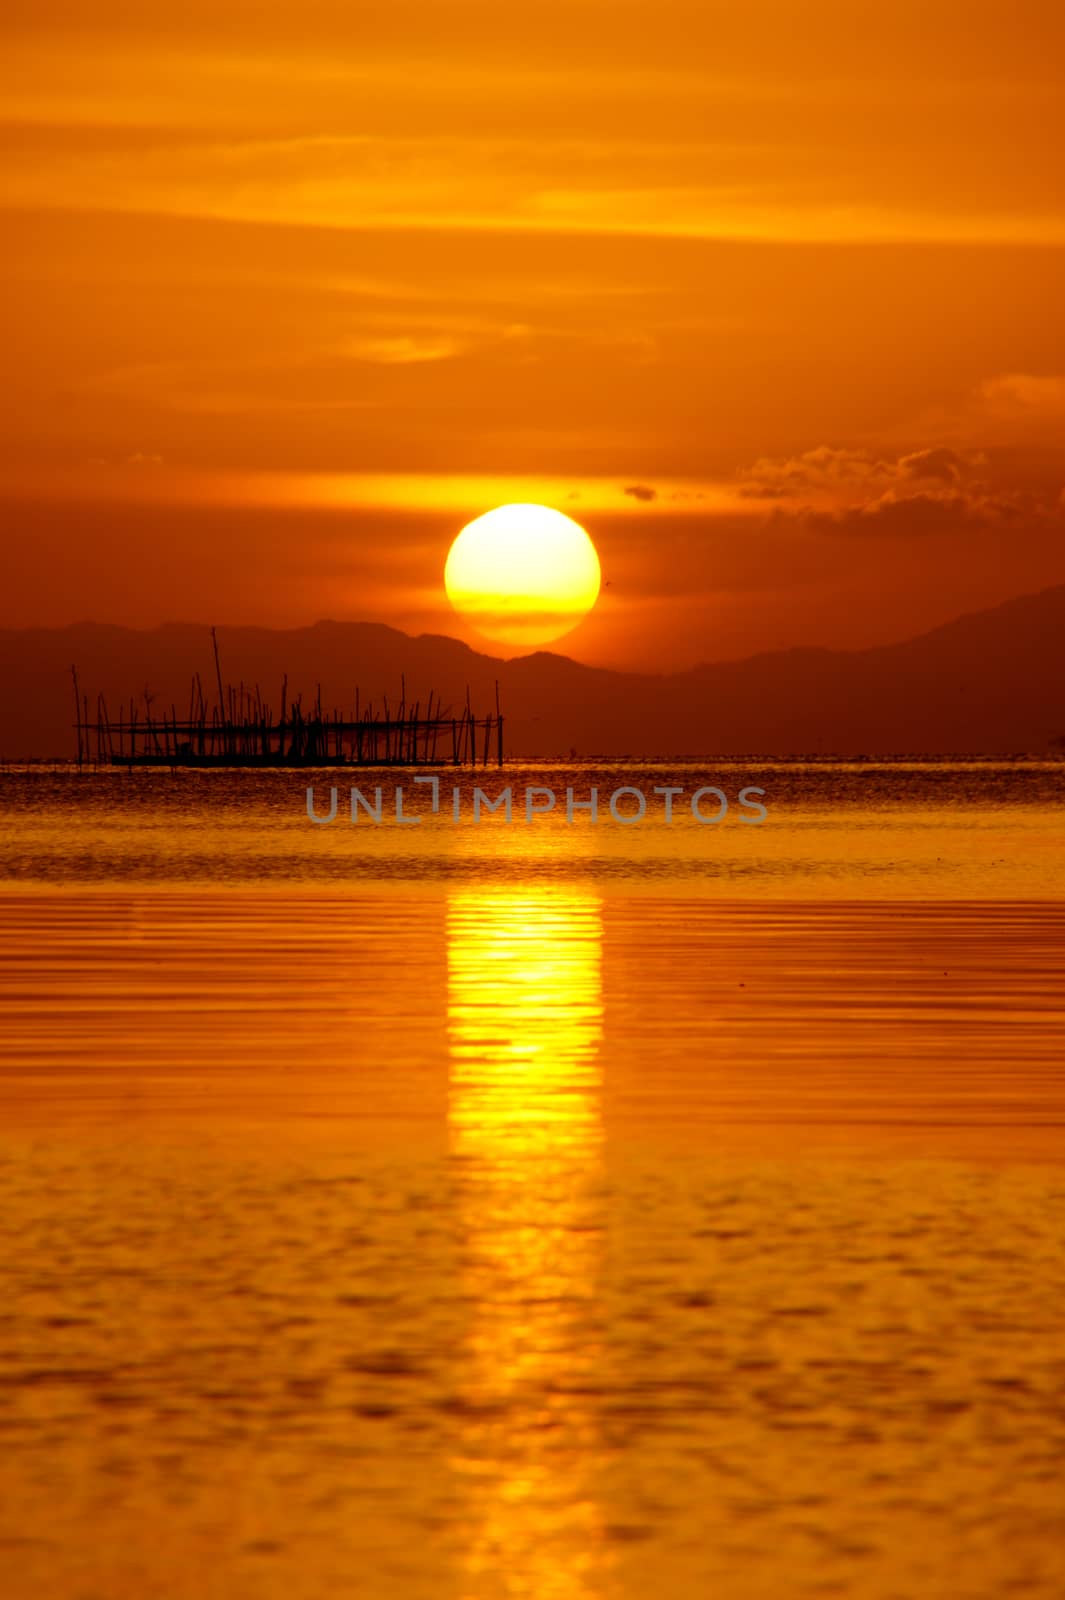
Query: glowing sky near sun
pixel 768 297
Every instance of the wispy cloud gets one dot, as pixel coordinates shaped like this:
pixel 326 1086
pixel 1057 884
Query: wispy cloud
pixel 917 492
pixel 1025 395
pixel 845 475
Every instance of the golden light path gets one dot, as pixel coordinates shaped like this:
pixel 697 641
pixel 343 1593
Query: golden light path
pixel 523 574
pixel 525 1014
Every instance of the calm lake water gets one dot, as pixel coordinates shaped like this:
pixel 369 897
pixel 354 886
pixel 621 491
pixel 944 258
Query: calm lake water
pixel 534 1210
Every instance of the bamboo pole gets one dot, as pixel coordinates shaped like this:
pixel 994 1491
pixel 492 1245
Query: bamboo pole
pixel 218 669
pixel 107 731
pixel 499 728
pixel 77 709
pixel 242 730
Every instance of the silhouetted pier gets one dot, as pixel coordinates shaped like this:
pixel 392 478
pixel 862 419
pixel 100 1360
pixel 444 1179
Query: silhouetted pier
pixel 242 730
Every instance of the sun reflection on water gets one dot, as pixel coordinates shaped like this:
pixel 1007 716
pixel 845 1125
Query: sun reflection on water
pixel 524 1025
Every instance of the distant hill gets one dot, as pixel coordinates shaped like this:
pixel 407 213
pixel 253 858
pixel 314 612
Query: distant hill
pixel 992 682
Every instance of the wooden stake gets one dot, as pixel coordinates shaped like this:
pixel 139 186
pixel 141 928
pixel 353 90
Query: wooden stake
pixel 77 708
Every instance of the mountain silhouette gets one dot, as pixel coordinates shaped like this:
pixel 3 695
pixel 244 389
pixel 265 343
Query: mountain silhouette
pixel 992 682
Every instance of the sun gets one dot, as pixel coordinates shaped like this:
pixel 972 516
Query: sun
pixel 522 574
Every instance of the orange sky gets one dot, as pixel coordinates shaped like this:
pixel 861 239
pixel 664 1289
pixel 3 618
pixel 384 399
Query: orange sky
pixel 294 291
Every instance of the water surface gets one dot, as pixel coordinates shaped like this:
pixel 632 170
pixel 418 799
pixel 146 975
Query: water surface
pixel 533 1212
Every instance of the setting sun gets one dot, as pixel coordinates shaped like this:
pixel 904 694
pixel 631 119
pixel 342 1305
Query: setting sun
pixel 523 574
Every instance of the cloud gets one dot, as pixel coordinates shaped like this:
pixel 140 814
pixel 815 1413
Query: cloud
pixel 853 474
pixel 916 493
pixel 941 464
pixel 405 350
pixel 1007 411
pixel 926 511
pixel 641 491
pixel 934 511
pixel 1020 408
pixel 1016 393
pixel 787 478
pixel 138 458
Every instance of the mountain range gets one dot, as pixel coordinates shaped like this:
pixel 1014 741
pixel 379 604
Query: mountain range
pixel 992 682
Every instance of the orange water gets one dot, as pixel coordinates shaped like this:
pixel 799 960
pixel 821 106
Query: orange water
pixel 525 1226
